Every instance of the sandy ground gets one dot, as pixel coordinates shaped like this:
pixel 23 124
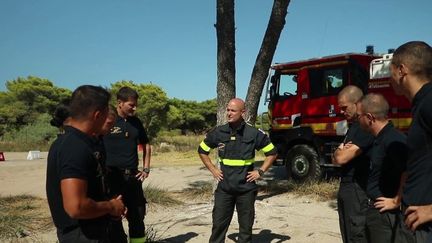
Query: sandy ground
pixel 279 218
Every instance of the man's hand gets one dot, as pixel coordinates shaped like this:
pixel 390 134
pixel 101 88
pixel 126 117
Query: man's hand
pixel 347 145
pixel 252 176
pixel 418 215
pixel 217 174
pixel 141 175
pixel 118 209
pixel 385 204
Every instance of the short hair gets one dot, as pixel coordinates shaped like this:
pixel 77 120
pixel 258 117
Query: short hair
pixel 86 99
pixel 125 93
pixel 375 104
pixel 352 93
pixel 417 55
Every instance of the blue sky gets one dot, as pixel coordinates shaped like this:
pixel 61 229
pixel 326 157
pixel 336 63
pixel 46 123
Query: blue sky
pixel 173 43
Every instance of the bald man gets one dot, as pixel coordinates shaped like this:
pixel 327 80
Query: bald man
pixel 352 156
pixel 386 171
pixel 236 143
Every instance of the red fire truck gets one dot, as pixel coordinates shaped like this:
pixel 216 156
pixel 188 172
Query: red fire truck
pixel 305 121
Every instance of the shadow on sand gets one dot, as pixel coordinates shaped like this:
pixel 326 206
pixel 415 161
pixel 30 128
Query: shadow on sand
pixel 180 238
pixel 264 236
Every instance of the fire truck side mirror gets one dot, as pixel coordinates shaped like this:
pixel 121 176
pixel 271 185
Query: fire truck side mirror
pixel 272 91
pixel 273 85
pixel 273 80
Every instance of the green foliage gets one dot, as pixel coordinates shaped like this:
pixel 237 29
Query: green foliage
pixel 27 98
pixel 191 115
pixel 26 107
pixel 13 113
pixel 36 135
pixel 263 121
pixel 38 94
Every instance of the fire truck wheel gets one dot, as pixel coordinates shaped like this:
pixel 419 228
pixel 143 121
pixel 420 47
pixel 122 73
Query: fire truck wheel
pixel 302 163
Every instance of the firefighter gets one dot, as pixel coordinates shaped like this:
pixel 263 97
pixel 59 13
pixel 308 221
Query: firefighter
pixel 122 160
pixel 411 71
pixel 387 166
pixel 236 143
pixel 353 157
pixel 75 194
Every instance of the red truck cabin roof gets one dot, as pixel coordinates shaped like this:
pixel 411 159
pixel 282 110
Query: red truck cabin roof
pixel 361 57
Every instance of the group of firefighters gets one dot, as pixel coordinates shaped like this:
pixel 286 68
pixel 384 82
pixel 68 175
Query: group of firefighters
pixel 383 194
pixel 93 180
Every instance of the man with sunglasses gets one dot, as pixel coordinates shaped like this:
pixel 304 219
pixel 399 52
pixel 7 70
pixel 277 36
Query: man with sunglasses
pixel 388 161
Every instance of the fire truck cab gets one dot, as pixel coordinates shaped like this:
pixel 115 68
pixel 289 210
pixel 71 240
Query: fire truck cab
pixel 305 121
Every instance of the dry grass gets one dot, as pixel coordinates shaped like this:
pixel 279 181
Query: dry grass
pixel 176 150
pixel 175 159
pixel 22 216
pixel 160 196
pixel 180 143
pixel 199 190
pixel 321 190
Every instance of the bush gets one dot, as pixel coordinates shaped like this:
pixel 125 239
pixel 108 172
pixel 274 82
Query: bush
pixel 172 141
pixel 36 136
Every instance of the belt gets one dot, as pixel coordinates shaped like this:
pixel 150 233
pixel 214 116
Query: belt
pixel 129 171
pixel 370 202
pixel 403 207
pixel 69 229
pixel 347 179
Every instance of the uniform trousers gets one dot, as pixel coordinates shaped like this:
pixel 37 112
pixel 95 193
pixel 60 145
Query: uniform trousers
pixel 423 233
pixel 380 227
pixel 223 211
pixel 131 190
pixel 352 206
pixel 76 235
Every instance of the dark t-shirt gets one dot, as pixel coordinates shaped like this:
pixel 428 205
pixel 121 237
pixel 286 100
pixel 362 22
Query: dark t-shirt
pixel 72 155
pixel 121 143
pixel 237 144
pixel 419 167
pixel 357 169
pixel 388 161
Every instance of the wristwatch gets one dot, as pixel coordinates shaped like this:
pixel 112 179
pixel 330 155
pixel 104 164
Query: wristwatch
pixel 260 172
pixel 146 170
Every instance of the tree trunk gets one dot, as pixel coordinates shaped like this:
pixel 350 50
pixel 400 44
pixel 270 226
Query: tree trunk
pixel 225 56
pixel 264 58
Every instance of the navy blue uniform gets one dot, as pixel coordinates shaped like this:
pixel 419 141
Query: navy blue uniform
pixel 236 150
pixel 121 146
pixel 417 187
pixel 388 162
pixel 73 155
pixel 122 141
pixel 351 198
